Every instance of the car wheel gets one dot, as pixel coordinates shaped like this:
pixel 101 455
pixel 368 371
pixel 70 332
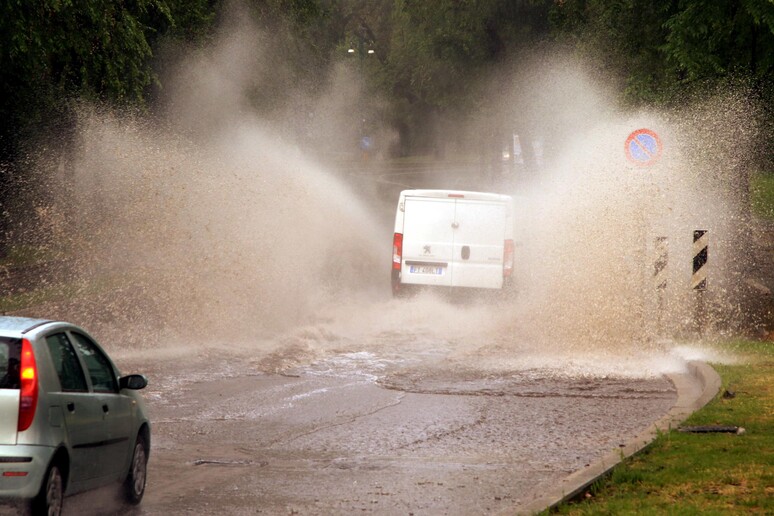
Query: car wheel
pixel 135 481
pixel 51 496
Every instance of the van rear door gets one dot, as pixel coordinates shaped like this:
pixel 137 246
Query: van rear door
pixel 479 237
pixel 10 351
pixel 428 236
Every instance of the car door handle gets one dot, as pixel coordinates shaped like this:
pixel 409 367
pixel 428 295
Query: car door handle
pixel 455 225
pixel 105 408
pixel 71 406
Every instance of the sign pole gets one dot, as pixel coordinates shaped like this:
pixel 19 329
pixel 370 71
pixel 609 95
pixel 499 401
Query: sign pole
pixel 643 148
pixel 661 246
pixel 699 278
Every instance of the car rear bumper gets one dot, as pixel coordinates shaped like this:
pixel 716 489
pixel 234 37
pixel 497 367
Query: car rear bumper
pixel 22 468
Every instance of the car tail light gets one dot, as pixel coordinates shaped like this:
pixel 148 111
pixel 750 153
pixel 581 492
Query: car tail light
pixel 28 374
pixel 507 258
pixel 397 250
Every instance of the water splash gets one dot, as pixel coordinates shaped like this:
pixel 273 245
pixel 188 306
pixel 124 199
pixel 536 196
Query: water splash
pixel 208 227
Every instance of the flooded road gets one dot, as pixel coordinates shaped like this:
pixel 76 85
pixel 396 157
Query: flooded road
pixel 390 432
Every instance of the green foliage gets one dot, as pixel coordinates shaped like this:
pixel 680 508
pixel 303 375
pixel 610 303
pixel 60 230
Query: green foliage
pixel 438 50
pixel 622 38
pixel 22 255
pixel 435 57
pixel 430 61
pixel 434 46
pixel 98 48
pixel 714 38
pixel 189 20
pixel 54 50
pixel 762 195
pixel 52 292
pixel 655 48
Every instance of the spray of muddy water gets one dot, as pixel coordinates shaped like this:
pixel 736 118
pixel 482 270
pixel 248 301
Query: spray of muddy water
pixel 208 225
pixel 590 301
pixel 210 229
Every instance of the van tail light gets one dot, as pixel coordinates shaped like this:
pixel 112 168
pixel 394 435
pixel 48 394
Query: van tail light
pixel 397 251
pixel 508 259
pixel 28 374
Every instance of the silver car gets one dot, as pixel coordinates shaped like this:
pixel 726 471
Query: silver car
pixel 68 420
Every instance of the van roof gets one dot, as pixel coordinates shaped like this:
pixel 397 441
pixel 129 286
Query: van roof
pixel 478 196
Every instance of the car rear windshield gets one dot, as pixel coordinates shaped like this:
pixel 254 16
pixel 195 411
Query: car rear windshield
pixel 10 351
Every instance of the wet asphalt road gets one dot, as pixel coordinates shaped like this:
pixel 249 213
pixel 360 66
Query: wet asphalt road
pixel 359 432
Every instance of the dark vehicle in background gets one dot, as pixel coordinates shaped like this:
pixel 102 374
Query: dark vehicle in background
pixel 69 421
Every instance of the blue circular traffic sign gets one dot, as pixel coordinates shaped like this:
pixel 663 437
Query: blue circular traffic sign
pixel 643 147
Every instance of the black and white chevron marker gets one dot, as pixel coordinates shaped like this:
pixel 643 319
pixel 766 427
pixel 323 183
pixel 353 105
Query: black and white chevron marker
pixel 700 249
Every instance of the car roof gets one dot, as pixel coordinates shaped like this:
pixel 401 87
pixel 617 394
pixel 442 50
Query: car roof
pixel 11 326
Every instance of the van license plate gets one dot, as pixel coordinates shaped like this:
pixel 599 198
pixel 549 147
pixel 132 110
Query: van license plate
pixel 426 269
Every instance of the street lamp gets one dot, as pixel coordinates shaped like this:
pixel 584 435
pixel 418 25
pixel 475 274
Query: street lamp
pixel 366 142
pixel 370 51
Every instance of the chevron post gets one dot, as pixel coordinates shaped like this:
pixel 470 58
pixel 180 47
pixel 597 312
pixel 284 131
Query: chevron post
pixel 700 254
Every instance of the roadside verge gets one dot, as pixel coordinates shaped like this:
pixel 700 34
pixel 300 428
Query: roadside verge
pixel 695 388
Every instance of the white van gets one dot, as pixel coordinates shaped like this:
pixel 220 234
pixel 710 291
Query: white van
pixel 452 238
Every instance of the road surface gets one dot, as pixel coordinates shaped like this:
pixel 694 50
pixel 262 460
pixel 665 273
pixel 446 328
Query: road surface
pixel 367 432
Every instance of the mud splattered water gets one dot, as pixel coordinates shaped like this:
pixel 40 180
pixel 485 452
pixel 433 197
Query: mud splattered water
pixel 207 229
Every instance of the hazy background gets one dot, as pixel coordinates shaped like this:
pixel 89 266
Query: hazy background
pixel 229 215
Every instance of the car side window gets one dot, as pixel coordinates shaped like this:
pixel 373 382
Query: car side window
pixel 66 363
pixel 101 372
pixel 10 349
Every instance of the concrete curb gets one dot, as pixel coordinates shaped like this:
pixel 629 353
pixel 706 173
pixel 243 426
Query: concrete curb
pixel 694 390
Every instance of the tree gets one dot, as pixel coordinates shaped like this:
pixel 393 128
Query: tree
pixel 659 49
pixel 52 51
pixel 718 38
pixel 439 55
pixel 622 39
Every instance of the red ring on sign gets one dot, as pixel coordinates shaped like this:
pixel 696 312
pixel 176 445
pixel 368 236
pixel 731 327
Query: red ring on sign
pixel 652 156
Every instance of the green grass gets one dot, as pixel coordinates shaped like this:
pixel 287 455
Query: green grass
pixel 63 291
pixel 683 473
pixel 762 195
pixel 22 300
pixel 21 255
